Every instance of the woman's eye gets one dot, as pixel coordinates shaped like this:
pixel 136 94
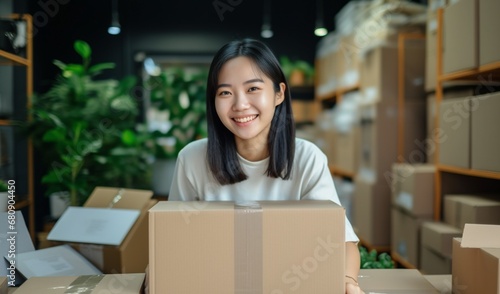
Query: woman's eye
pixel 253 89
pixel 224 93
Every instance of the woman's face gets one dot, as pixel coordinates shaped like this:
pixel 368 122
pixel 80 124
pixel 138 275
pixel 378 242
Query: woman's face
pixel 245 100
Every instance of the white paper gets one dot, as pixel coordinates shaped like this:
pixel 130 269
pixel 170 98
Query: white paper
pixel 94 225
pixel 54 261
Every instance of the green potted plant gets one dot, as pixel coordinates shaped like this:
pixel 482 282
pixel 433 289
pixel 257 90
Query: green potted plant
pixel 175 118
pixel 87 130
pixel 298 72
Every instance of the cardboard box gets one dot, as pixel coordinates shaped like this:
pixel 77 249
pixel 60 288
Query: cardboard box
pixel 258 247
pixel 462 209
pixel 430 53
pixel 441 282
pixel 454 122
pixel 460 16
pixel 476 260
pixel 413 187
pixel 433 263
pixel 394 281
pixel 115 283
pixel 347 150
pixel 20 238
pixel 131 256
pixel 484 131
pixel 54 261
pixel 431 136
pixel 371 211
pixel 489 39
pixel 405 235
pixel 438 236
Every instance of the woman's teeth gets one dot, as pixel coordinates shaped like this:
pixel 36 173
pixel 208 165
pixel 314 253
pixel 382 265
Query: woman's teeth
pixel 245 119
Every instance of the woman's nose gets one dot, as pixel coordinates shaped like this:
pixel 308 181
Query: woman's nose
pixel 240 102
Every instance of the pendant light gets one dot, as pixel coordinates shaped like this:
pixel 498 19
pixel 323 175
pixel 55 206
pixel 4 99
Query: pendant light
pixel 266 31
pixel 114 28
pixel 320 29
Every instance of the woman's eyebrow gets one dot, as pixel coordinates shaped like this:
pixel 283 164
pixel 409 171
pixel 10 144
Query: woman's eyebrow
pixel 246 82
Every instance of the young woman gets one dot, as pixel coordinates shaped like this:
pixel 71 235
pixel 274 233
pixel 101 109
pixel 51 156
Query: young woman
pixel 251 152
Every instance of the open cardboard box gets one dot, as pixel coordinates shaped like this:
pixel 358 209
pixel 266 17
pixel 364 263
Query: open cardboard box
pixel 117 283
pixel 258 247
pixel 476 260
pixel 400 281
pixel 131 254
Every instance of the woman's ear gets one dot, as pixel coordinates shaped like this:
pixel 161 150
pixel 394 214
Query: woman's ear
pixel 280 95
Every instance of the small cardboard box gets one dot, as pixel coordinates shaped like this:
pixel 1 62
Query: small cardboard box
pixel 484 130
pixel 489 39
pixel 413 187
pixel 258 247
pixel 476 209
pixel 460 16
pixel 115 283
pixel 405 234
pixel 476 260
pixel 60 260
pixel 399 281
pixel 131 255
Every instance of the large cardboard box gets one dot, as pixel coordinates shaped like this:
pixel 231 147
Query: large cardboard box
pixel 131 256
pixel 394 281
pixel 454 122
pixel 475 209
pixel 413 187
pixel 405 234
pixel 489 39
pixel 89 284
pixel 476 260
pixel 257 247
pixel 371 211
pixel 484 131
pixel 460 16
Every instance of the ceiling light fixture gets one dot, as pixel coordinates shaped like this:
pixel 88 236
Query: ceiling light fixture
pixel 266 31
pixel 320 29
pixel 114 28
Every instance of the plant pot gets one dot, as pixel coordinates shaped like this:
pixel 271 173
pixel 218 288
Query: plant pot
pixel 59 201
pixel 4 198
pixel 163 172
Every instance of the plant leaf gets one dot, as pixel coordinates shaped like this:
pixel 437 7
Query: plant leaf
pixel 83 49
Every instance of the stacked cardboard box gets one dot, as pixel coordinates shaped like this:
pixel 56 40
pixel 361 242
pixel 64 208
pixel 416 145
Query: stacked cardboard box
pixel 473 209
pixel 413 203
pixel 436 245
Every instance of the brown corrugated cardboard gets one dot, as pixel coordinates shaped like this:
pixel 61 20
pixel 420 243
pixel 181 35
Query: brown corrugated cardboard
pixel 484 131
pixel 394 281
pixel 371 211
pixel 438 237
pixel 116 283
pixel 475 209
pixel 433 263
pixel 454 122
pixel 131 256
pixel 476 260
pixel 460 16
pixel 405 235
pixel 260 247
pixel 413 187
pixel 489 40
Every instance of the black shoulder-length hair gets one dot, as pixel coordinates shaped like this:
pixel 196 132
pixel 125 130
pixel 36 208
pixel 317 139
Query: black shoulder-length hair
pixel 221 153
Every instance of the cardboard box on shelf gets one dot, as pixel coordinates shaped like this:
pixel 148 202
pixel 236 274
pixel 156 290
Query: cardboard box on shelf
pixel 347 150
pixel 433 263
pixel 488 35
pixel 430 52
pixel 454 122
pixel 131 255
pixel 476 260
pixel 394 281
pixel 460 16
pixel 475 209
pixel 484 132
pixel 265 246
pixel 413 187
pixel 405 234
pixel 113 283
pixel 371 211
pixel 438 236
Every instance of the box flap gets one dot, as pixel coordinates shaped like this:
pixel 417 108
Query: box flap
pixel 478 236
pixel 110 197
pixel 94 225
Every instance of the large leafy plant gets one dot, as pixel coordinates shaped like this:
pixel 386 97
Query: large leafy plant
pixel 177 114
pixel 85 129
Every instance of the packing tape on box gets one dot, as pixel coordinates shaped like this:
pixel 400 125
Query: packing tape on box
pixel 84 284
pixel 248 267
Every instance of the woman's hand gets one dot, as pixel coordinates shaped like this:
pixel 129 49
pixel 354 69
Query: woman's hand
pixel 351 288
